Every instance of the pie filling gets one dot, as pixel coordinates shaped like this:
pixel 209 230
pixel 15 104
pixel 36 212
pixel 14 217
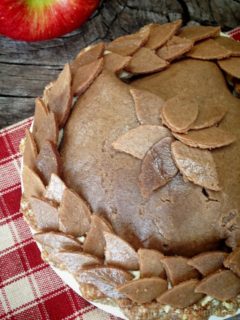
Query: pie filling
pixel 131 172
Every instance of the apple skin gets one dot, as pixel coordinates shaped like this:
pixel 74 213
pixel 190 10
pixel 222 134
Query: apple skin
pixel 35 20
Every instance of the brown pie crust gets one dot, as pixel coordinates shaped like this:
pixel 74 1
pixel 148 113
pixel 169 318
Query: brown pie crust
pixel 103 151
pixel 197 33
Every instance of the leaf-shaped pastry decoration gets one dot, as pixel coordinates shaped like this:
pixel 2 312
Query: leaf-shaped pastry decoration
pixel 32 184
pixel 209 138
pixel 120 253
pixel 45 214
pixel 179 113
pixel 222 285
pixel 40 113
pixel 45 125
pixel 74 214
pixel 233 261
pixel 208 262
pixel 210 113
pixel 208 50
pixel 115 62
pixel 146 61
pixel 58 96
pixel 161 33
pixel 55 189
pixel 178 270
pixel 144 290
pixel 175 48
pixel 85 75
pixel 73 260
pixel 30 151
pixel 197 33
pixel 57 240
pixel 86 56
pixel 129 44
pixel 181 296
pixel 106 279
pixel 231 66
pixel 157 168
pixel 147 106
pixel 140 139
pixel 230 44
pixel 196 165
pixel 95 242
pixel 150 263
pixel 48 161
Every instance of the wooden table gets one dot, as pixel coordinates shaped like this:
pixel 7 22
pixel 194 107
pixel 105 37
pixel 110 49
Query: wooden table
pixel 26 68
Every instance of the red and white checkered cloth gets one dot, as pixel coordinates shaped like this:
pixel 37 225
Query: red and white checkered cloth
pixel 235 33
pixel 29 288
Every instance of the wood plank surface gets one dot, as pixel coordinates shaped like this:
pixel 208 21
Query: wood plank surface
pixel 25 68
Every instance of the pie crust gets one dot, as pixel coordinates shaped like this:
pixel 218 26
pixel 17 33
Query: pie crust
pixel 135 205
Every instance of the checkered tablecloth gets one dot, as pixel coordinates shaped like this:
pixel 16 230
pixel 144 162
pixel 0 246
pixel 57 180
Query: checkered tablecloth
pixel 235 33
pixel 29 288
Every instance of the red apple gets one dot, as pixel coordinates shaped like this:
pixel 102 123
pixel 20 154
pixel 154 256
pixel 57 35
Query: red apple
pixel 33 20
